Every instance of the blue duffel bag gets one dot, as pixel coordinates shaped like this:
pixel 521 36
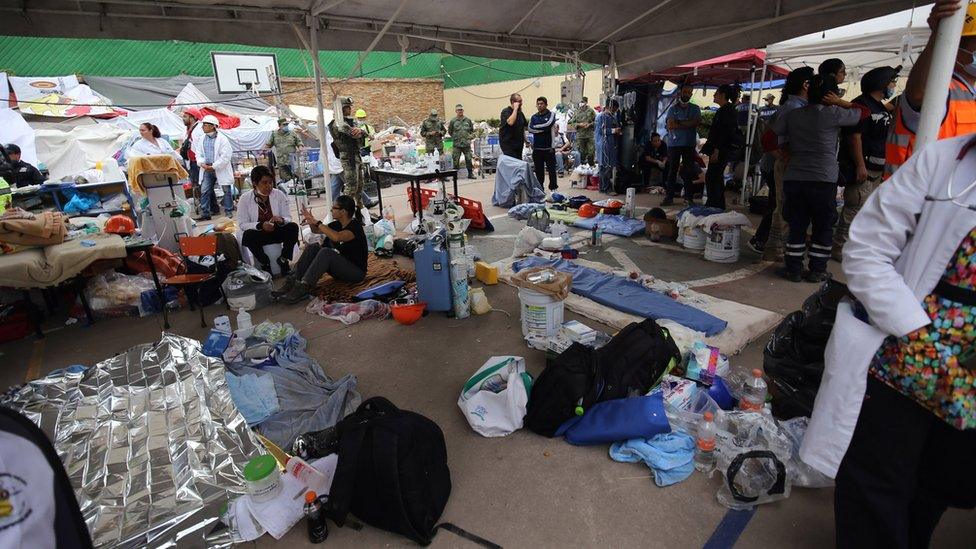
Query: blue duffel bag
pixel 616 420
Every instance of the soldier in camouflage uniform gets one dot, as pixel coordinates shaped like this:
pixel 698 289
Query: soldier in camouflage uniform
pixel 347 140
pixel 584 120
pixel 461 130
pixel 284 143
pixel 433 130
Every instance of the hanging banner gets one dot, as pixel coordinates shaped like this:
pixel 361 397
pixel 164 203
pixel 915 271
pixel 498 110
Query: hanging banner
pixel 58 96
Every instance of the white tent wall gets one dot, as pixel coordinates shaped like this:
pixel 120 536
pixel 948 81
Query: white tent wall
pixel 647 35
pixel 68 153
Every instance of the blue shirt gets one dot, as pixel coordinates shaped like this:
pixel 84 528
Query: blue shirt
pixel 683 137
pixel 541 128
pixel 208 148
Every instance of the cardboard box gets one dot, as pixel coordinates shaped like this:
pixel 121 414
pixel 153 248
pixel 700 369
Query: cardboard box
pixel 666 228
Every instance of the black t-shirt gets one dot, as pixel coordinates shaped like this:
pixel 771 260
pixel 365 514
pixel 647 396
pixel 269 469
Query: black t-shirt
pixel 511 137
pixel 354 250
pixel 659 153
pixel 873 130
pixel 25 174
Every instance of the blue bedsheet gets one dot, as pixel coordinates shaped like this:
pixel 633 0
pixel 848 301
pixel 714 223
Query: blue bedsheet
pixel 612 224
pixel 627 295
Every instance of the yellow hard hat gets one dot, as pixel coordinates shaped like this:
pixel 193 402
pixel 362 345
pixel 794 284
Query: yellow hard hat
pixel 969 27
pixel 360 113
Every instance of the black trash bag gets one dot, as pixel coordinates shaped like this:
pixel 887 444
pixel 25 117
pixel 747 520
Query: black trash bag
pixel 821 309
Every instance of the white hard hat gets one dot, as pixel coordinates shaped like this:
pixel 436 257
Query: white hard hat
pixel 211 119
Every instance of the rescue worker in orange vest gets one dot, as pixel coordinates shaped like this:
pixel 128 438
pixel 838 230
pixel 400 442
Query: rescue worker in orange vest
pixel 959 118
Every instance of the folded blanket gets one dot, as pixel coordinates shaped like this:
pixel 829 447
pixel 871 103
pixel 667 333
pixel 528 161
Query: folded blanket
pixel 378 271
pixel 139 165
pixel 43 229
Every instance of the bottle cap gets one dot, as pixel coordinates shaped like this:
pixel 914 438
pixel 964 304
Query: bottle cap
pixel 578 410
pixel 708 416
pixel 756 372
pixel 310 496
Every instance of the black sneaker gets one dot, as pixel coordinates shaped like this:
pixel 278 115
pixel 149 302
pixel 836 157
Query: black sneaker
pixel 756 246
pixel 284 265
pixel 298 292
pixel 285 288
pixel 817 276
pixel 792 276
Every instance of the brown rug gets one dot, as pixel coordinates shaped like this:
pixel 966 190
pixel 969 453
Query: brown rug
pixel 378 271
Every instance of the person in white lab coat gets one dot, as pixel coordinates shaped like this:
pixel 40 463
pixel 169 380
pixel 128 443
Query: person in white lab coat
pixel 214 153
pixel 151 143
pixel 895 417
pixel 264 217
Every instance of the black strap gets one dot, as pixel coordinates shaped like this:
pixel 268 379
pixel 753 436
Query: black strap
pixel 474 538
pixel 955 293
pixel 343 482
pixel 778 487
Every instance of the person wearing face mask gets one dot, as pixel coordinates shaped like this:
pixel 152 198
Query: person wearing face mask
pixel 862 149
pixel 265 218
pixel 682 122
pixel 214 154
pixel 959 114
pixel 284 143
pixel 584 121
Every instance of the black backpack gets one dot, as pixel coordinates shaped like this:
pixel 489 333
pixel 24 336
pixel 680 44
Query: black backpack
pixel 631 363
pixel 392 471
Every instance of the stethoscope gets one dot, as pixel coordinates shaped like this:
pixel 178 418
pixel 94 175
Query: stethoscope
pixel 952 176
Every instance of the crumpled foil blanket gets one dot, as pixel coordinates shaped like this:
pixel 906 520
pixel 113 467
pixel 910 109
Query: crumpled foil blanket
pixel 151 441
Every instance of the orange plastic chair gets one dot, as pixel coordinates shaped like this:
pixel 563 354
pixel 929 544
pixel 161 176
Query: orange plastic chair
pixel 194 246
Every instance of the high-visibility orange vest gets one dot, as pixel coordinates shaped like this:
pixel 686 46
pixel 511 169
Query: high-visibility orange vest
pixel 960 120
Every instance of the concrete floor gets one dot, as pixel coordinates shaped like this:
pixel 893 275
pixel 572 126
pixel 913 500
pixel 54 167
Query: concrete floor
pixel 522 490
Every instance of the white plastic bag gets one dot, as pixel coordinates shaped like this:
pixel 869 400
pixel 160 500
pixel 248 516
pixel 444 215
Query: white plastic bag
pixel 494 399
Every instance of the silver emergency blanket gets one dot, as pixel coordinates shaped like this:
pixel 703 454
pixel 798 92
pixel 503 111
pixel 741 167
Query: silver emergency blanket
pixel 151 441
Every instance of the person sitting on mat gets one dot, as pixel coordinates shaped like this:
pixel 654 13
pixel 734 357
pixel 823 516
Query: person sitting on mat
pixel 343 254
pixel 263 215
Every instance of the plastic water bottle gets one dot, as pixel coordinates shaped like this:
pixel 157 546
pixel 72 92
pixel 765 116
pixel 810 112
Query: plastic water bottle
pixel 306 474
pixel 599 236
pixel 753 393
pixel 705 444
pixel 244 326
pixel 318 529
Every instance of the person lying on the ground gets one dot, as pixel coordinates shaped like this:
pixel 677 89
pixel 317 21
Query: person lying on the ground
pixel 264 218
pixel 343 254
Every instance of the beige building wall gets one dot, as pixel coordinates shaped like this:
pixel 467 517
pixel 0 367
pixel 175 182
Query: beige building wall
pixel 486 101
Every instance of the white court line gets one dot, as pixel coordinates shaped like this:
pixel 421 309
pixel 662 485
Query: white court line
pixel 729 277
pixel 622 258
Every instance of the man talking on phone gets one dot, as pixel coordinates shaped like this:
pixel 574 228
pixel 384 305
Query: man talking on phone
pixel 511 134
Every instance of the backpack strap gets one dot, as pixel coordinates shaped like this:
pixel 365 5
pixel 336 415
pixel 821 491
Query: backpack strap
pixel 474 538
pixel 343 482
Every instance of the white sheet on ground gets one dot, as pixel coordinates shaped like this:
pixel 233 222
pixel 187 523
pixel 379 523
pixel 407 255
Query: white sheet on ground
pixel 745 322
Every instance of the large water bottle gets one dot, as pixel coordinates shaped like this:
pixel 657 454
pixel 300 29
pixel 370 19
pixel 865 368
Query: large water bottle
pixel 705 444
pixel 753 393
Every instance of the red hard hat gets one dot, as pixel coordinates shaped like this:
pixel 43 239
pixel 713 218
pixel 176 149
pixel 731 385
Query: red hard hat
pixel 614 204
pixel 120 224
pixel 588 210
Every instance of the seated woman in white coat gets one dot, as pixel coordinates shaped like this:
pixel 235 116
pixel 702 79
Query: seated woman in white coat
pixel 151 143
pixel 264 218
pixel 895 417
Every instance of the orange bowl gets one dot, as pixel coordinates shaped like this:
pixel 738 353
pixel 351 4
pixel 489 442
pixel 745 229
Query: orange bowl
pixel 407 314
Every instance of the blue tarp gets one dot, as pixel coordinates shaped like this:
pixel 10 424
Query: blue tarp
pixel 627 295
pixel 612 224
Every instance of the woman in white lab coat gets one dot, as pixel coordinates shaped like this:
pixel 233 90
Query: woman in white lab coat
pixel 151 143
pixel 895 417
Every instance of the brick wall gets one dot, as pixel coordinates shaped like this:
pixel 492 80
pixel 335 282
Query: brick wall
pixel 382 98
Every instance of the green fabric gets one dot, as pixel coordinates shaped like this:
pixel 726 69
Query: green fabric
pixel 568 216
pixel 433 140
pixel 586 116
pixel 31 56
pixel 461 131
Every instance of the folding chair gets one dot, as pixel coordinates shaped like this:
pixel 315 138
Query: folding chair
pixel 194 246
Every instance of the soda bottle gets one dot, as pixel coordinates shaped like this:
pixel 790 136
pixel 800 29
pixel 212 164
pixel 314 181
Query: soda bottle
pixel 753 393
pixel 318 529
pixel 705 444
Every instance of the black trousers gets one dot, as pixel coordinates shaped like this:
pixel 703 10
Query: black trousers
pixel 678 156
pixel 715 181
pixel 807 203
pixel 511 150
pixel 903 468
pixel 255 240
pixel 762 232
pixel 545 161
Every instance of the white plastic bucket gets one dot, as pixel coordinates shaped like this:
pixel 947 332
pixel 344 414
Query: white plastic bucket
pixel 694 238
pixel 542 314
pixel 723 245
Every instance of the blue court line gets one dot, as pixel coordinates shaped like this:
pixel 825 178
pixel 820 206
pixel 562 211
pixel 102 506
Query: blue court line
pixel 728 531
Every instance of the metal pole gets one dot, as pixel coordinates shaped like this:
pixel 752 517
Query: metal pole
pixel 744 195
pixel 940 73
pixel 324 151
pixel 752 137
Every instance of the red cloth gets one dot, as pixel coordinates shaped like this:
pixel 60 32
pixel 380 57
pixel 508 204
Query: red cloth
pixel 167 263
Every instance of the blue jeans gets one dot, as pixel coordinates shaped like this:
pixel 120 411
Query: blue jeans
pixel 561 161
pixel 337 185
pixel 208 198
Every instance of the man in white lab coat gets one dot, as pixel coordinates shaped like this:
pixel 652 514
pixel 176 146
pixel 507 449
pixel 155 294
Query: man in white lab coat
pixel 214 152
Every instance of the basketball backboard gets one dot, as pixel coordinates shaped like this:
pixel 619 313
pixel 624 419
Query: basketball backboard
pixel 238 72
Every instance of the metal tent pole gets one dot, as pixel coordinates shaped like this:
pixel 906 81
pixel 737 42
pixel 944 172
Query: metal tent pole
pixel 744 195
pixel 943 60
pixel 324 151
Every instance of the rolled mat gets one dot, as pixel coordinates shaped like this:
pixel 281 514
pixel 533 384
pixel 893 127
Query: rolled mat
pixel 378 271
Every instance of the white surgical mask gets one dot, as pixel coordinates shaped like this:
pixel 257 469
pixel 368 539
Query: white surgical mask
pixel 970 67
pixel 211 134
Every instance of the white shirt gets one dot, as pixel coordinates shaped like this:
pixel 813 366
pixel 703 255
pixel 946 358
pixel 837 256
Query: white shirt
pixel 144 147
pixel 335 167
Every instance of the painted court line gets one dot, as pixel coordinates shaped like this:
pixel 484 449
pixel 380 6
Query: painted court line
pixel 622 258
pixel 729 529
pixel 729 277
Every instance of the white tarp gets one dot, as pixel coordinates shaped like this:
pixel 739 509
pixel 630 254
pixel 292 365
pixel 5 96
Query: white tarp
pixel 57 96
pixel 169 123
pixel 67 153
pixel 899 40
pixel 14 129
pixel 310 114
pixel 4 91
